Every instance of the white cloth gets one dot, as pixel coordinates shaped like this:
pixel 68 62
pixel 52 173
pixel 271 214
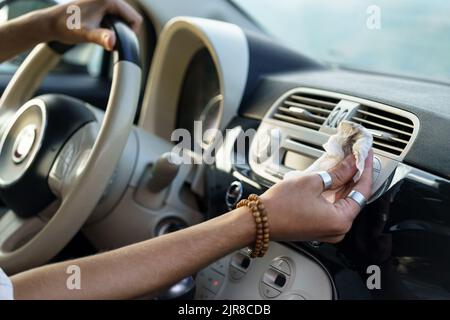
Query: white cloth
pixel 6 287
pixel 351 138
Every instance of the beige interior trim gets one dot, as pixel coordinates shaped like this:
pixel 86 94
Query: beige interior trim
pixel 180 39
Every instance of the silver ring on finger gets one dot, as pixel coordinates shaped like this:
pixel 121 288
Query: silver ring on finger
pixel 326 179
pixel 358 197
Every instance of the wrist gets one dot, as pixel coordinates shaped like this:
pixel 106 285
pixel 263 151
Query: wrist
pixel 241 221
pixel 41 23
pixel 268 202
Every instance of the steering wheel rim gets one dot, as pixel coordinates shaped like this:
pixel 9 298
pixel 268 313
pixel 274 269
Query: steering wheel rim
pixel 87 188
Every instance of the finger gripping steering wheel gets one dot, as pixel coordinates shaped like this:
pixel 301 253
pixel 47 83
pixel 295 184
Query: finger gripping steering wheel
pixel 55 158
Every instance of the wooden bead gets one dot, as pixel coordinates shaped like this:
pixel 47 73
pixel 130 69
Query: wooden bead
pixel 259 213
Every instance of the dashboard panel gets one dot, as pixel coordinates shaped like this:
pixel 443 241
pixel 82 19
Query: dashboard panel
pixel 429 102
pixel 405 231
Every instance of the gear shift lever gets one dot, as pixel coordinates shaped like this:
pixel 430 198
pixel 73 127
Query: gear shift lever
pixel 153 186
pixel 163 172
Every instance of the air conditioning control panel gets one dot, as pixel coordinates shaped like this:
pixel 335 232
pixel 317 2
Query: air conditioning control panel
pixel 283 274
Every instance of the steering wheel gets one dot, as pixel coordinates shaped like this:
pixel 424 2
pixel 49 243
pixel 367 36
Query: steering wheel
pixel 56 160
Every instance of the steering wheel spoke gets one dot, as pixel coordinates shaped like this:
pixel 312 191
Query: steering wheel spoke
pixel 16 231
pixel 72 159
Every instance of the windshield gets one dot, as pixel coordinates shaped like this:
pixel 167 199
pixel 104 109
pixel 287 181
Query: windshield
pixel 402 37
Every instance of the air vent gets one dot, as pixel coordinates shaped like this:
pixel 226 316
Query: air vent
pixel 305 110
pixel 391 132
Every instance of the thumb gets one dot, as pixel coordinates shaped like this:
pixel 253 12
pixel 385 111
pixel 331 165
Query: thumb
pixel 103 37
pixel 343 172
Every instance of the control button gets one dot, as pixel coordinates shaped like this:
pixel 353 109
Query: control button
pixel 280 280
pixel 282 265
pixel 268 291
pixel 236 274
pixel 220 266
pixel 245 263
pixel 241 261
pixel 275 278
pixel 234 194
pixel 214 280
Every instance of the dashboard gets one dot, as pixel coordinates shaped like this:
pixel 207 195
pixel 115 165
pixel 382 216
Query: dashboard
pixel 404 231
pixel 256 84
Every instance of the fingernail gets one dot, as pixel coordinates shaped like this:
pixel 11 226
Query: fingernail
pixel 106 38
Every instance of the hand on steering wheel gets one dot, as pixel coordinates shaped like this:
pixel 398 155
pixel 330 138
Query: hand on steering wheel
pixel 52 155
pixel 91 15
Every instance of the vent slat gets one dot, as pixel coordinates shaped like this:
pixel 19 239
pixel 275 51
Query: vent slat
pixel 371 114
pixel 400 140
pixel 398 129
pixel 307 107
pixel 380 126
pixel 306 110
pixel 311 125
pixel 396 150
pixel 319 119
pixel 314 102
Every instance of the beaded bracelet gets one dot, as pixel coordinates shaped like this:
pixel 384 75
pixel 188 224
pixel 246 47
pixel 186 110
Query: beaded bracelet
pixel 259 212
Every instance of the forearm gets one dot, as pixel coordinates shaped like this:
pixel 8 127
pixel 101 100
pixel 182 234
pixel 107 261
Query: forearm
pixel 23 33
pixel 143 268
